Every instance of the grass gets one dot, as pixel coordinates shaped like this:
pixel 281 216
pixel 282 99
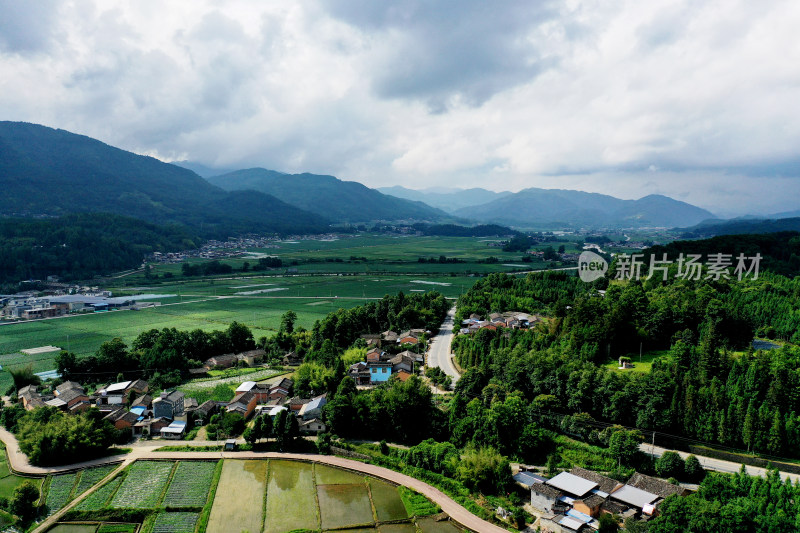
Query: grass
pixel 576 453
pixel 644 366
pixel 9 481
pixel 117 528
pixel 416 504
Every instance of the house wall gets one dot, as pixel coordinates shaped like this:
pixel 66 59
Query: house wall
pixel 381 374
pixel 540 501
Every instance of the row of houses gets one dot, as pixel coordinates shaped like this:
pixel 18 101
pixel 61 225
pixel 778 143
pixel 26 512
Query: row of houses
pixel 269 399
pixel 31 307
pixel 573 501
pixel 379 366
pixel 509 319
pixel 71 396
pixel 389 337
pixel 228 360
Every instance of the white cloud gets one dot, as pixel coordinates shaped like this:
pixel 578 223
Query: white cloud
pixel 695 100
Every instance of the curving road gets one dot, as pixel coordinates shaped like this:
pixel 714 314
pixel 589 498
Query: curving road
pixel 439 354
pixel 19 463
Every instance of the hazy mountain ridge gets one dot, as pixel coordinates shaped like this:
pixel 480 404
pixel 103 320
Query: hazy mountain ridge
pixel 449 200
pixel 559 207
pixel 44 171
pixel 342 201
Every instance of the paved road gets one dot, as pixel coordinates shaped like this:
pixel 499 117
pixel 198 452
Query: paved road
pixel 439 355
pixel 717 465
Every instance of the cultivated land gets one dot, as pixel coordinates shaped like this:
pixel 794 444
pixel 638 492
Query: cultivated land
pixel 257 495
pixel 332 281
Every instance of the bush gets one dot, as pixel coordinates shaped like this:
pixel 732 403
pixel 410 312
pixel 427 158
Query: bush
pixel 23 501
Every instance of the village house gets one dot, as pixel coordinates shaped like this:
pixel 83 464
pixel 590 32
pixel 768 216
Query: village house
pixel 292 359
pixel 204 411
pixel 243 403
pixel 175 430
pixel 220 361
pixel 122 418
pixel 313 409
pixel 169 405
pixel 313 426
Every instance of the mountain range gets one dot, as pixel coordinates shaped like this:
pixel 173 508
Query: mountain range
pixel 342 201
pixel 577 209
pixel 448 200
pixel 49 172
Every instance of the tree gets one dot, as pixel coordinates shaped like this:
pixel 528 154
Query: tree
pixel 24 376
pixel 23 500
pixel 608 524
pixel 287 322
pixel 670 464
pixel 693 471
pixel 241 338
pixel 624 445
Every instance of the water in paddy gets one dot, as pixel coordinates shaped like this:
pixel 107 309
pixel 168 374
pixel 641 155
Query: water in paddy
pixel 344 505
pixel 388 504
pixel 429 525
pixel 329 475
pixel 291 498
pixel 398 528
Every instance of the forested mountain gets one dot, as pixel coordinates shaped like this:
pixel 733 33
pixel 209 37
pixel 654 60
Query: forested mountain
pixel 740 227
pixel 565 208
pixel 447 200
pixel 44 171
pixel 82 245
pixel 345 201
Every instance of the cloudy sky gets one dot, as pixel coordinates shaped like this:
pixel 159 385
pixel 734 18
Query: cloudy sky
pixel 697 99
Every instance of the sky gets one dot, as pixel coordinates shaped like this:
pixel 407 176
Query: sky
pixel 697 100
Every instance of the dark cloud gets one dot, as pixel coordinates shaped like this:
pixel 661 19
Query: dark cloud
pixel 27 27
pixel 439 51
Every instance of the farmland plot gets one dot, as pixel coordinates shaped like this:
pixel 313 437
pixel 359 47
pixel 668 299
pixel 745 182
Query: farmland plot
pixel 143 485
pixel 239 498
pixel 59 493
pixel 190 484
pixel 91 477
pixel 175 523
pixel 98 499
pixel 291 499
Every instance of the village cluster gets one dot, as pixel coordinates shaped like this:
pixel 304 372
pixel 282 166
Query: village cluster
pixel 573 501
pixel 170 414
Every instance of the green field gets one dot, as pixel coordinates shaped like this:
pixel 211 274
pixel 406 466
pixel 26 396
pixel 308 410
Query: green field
pixel 9 481
pixel 190 484
pixel 641 365
pixel 143 485
pixel 376 254
pixel 197 307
